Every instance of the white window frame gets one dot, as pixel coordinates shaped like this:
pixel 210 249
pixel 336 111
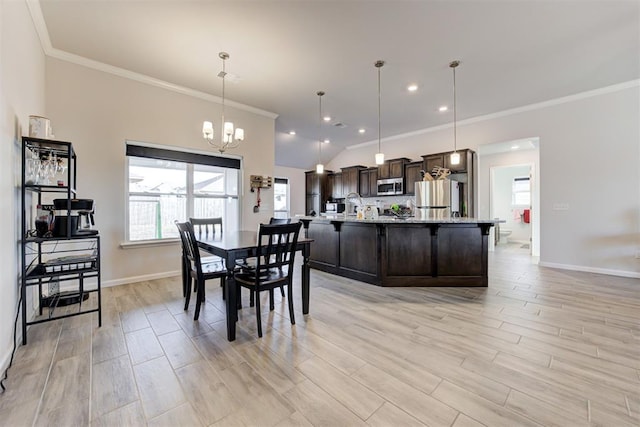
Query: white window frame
pixel 515 192
pixel 287 212
pixel 190 195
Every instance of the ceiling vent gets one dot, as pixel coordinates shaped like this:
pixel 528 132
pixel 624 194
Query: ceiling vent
pixel 340 125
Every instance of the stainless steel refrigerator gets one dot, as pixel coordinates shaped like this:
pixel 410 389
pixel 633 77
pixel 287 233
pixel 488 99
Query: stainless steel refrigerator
pixel 438 199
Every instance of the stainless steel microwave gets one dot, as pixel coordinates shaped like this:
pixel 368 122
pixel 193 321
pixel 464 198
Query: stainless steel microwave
pixel 390 187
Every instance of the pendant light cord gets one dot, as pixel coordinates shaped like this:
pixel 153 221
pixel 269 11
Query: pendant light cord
pixel 379 66
pixel 320 127
pixel 455 136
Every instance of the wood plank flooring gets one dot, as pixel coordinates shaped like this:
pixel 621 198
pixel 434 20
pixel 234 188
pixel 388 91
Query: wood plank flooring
pixel 538 347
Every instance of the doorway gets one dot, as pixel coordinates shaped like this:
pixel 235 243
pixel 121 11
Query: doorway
pixel 508 177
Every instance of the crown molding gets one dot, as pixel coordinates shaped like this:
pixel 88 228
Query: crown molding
pixel 505 113
pixel 49 50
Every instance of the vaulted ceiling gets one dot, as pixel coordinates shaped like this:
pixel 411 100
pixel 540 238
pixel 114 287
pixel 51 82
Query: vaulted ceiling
pixel 512 53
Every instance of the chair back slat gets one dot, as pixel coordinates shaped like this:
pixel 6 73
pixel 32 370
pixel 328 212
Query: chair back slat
pixel 276 246
pixel 206 226
pixel 189 244
pixel 280 220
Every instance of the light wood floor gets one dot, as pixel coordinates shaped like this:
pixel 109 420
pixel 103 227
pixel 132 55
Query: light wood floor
pixel 537 347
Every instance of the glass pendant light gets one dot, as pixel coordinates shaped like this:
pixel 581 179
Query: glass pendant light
pixel 455 156
pixel 320 166
pixel 379 154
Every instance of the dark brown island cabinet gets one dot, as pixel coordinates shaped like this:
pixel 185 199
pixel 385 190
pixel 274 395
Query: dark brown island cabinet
pixel 387 252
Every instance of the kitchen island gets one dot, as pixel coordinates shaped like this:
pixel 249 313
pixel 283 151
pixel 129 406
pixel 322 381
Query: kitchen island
pixel 401 252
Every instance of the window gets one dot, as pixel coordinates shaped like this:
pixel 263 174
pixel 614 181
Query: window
pixel 521 192
pixel 167 185
pixel 281 198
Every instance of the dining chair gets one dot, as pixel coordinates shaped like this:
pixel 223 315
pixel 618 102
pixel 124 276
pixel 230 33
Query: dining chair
pixel 195 269
pixel 274 266
pixel 250 263
pixel 205 227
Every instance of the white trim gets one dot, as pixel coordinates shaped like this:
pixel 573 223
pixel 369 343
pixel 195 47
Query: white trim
pixel 136 279
pixel 517 110
pixel 148 243
pixel 49 50
pixel 607 271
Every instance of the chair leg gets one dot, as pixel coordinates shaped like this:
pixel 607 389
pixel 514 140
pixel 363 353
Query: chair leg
pixel 282 291
pixel 223 283
pixel 251 299
pixel 258 317
pixel 271 305
pixel 290 298
pixel 199 298
pixel 185 277
pixel 187 296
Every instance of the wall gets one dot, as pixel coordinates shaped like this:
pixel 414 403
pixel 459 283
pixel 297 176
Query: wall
pixel 296 188
pixel 588 142
pixel 98 111
pixel 22 78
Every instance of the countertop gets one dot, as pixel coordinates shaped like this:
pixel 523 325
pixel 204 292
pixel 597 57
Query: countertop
pixel 395 220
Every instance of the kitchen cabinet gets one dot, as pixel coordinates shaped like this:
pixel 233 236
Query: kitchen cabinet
pixel 317 191
pixel 393 168
pixel 369 182
pixel 459 168
pixel 412 175
pixel 63 267
pixel 351 179
pixel 336 189
pixel 433 161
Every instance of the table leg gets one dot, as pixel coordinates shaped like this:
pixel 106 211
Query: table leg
pixel 231 293
pixel 306 249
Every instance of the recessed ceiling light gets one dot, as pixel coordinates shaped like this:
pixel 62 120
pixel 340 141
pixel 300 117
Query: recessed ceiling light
pixel 412 87
pixel 326 118
pixel 514 147
pixel 292 132
pixel 361 131
pixel 443 108
pixel 326 141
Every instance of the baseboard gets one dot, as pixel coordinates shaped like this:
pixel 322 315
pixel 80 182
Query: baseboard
pixel 607 271
pixel 143 278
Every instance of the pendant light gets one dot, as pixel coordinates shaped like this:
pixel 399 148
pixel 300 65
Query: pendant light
pixel 379 154
pixel 455 156
pixel 230 138
pixel 320 166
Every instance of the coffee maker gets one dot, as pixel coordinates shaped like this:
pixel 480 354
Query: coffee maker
pixel 73 217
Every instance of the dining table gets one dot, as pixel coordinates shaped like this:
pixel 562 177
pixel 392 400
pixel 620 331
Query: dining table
pixel 237 245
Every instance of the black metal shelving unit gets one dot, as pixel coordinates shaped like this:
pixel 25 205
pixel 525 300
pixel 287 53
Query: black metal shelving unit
pixel 48 261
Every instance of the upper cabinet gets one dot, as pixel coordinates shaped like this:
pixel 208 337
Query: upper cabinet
pixel 351 180
pixel 369 182
pixel 412 175
pixel 443 160
pixel 393 168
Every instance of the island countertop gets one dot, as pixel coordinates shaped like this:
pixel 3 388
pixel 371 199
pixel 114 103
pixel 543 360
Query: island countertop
pixel 397 220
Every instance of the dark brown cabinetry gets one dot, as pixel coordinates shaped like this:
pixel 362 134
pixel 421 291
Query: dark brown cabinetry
pixel 443 160
pixel 351 180
pixel 336 191
pixel 393 168
pixel 433 161
pixel 369 182
pixel 317 191
pixel 412 175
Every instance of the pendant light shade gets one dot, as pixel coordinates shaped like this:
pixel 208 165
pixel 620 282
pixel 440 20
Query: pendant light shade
pixel 455 156
pixel 320 166
pixel 379 154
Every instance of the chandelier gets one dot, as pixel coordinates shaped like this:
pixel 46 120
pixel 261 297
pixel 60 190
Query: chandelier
pixel 231 137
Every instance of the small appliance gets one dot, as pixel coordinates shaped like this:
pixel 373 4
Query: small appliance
pixel 73 217
pixel 390 187
pixel 334 208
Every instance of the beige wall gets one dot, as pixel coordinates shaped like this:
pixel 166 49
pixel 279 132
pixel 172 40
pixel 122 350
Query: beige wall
pixel 22 77
pixel 296 188
pixel 589 159
pixel 99 111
